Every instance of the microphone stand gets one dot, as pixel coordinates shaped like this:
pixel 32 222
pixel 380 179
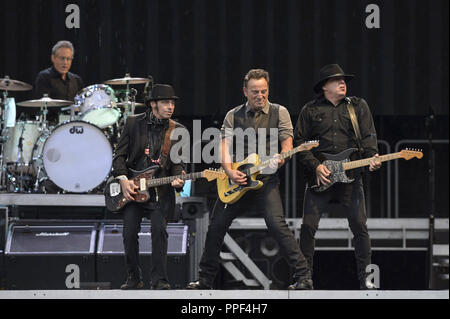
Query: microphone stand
pixel 430 121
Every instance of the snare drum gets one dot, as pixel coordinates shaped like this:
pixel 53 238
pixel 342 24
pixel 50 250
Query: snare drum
pixel 76 156
pixel 98 105
pixel 29 132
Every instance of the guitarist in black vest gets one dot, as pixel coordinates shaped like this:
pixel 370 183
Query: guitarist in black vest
pixel 258 112
pixel 140 146
pixel 327 119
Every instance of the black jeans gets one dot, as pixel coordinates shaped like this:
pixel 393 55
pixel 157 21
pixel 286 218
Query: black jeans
pixel 268 203
pixel 132 217
pixel 330 201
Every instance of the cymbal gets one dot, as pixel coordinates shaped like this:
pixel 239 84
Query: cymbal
pixel 127 80
pixel 129 103
pixel 8 84
pixel 45 101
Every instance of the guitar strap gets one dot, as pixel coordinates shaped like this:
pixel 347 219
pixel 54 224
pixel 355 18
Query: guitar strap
pixel 167 142
pixel 354 120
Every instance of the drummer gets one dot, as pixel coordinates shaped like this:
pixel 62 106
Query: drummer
pixel 57 81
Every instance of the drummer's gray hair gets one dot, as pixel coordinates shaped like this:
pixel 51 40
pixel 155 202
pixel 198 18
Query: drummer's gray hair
pixel 63 44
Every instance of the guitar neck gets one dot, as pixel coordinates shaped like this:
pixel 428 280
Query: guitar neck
pixel 366 161
pixel 282 156
pixel 169 179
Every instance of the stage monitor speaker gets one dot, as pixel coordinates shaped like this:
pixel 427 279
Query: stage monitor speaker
pixel 111 259
pixel 191 207
pixel 50 256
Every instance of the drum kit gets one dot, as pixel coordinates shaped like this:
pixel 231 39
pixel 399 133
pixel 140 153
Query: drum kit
pixel 74 155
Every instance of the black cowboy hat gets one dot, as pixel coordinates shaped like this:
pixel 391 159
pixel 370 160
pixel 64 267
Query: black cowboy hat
pixel 330 71
pixel 162 92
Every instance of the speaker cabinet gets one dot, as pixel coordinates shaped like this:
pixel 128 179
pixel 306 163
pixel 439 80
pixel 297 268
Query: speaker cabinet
pixel 49 256
pixel 111 258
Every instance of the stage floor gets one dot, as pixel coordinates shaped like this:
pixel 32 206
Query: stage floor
pixel 223 294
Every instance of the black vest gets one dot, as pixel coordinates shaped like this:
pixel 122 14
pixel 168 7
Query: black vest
pixel 247 144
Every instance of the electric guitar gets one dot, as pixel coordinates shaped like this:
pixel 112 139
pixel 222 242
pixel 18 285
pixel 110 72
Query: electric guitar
pixel 147 183
pixel 229 192
pixel 337 164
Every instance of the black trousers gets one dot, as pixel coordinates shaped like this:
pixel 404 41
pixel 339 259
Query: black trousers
pixel 332 201
pixel 267 202
pixel 132 218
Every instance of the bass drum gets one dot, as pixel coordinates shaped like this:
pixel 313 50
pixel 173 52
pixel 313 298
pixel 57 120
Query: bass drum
pixel 76 156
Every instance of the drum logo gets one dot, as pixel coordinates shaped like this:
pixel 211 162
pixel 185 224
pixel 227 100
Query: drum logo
pixel 76 130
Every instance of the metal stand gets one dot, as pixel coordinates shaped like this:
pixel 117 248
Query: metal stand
pixel 236 253
pixel 429 125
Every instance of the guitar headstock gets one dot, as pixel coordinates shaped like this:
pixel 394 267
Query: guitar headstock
pixel 407 154
pixel 309 145
pixel 212 174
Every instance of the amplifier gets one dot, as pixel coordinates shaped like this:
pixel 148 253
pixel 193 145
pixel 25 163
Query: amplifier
pixel 50 256
pixel 111 259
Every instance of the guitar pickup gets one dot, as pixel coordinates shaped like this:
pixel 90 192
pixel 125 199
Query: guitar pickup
pixel 114 189
pixel 232 191
pixel 143 185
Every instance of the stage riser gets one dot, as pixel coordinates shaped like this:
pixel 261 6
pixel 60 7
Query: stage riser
pixel 336 270
pixel 333 269
pixel 37 256
pixel 46 272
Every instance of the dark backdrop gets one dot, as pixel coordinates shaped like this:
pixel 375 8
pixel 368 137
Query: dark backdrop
pixel 204 48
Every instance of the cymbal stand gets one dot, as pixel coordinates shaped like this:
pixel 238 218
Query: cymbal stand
pixel 3 140
pixel 20 161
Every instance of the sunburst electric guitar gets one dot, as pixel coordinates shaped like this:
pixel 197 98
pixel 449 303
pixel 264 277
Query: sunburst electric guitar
pixel 229 192
pixel 147 184
pixel 337 164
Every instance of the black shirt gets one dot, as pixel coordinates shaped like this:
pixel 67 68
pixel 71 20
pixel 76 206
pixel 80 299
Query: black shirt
pixel 331 125
pixel 49 81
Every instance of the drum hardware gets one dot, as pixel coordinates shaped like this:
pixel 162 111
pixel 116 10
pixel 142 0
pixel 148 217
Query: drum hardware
pixel 7 84
pixel 17 151
pixel 97 105
pixel 72 109
pixel 130 94
pixel 44 103
pixel 127 80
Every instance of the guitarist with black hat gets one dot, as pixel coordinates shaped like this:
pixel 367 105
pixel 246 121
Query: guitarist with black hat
pixel 144 142
pixel 339 123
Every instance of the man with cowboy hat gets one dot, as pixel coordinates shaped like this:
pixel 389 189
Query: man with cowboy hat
pixel 142 144
pixel 327 119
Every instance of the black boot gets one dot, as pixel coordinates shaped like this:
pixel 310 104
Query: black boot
pixel 302 284
pixel 134 281
pixel 198 285
pixel 161 285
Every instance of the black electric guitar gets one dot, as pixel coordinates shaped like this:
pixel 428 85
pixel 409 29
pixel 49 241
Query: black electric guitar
pixel 337 164
pixel 229 192
pixel 147 184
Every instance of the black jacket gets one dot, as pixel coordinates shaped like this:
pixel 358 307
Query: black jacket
pixel 130 152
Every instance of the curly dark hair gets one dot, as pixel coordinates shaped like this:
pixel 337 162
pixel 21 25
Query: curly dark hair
pixel 256 74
